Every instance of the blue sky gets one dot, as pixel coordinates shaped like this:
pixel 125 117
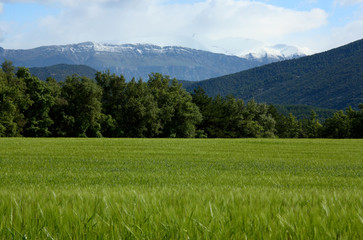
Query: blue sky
pixel 234 26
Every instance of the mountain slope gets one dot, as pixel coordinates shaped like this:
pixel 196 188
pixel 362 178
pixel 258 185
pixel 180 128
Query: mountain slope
pixel 304 111
pixel 136 60
pixel 60 71
pixel 333 79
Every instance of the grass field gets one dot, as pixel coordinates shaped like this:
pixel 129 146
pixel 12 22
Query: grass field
pixel 181 189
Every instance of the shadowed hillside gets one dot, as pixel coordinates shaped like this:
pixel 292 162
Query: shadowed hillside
pixel 60 71
pixel 332 79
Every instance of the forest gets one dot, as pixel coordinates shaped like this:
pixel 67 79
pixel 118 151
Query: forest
pixel 109 106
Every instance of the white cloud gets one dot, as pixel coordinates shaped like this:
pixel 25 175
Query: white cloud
pixel 168 24
pixel 2 30
pixel 82 3
pixel 229 25
pixel 353 30
pixel 348 33
pixel 349 2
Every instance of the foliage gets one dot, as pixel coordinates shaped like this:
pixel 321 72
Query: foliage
pixel 80 107
pixel 40 102
pixel 13 102
pixel 158 108
pixel 177 113
pixel 231 118
pixel 152 109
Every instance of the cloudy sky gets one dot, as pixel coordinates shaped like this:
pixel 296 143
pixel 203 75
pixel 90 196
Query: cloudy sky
pixel 217 25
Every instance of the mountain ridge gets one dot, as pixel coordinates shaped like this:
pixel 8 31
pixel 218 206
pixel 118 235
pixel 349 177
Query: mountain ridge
pixel 135 60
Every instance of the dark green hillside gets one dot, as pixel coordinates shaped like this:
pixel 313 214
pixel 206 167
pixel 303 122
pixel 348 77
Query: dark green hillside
pixel 304 111
pixel 332 79
pixel 186 83
pixel 61 71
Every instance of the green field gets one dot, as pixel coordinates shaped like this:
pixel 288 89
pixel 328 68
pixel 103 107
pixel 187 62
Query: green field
pixel 181 189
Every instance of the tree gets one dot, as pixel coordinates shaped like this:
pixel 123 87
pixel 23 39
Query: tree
pixel 186 113
pixel 337 126
pixel 311 128
pixel 204 103
pixel 36 114
pixel 8 68
pixel 177 114
pixel 356 122
pixel 13 102
pixel 113 101
pixel 289 127
pixel 231 118
pixel 80 108
pixel 8 110
pixel 140 112
pixel 258 122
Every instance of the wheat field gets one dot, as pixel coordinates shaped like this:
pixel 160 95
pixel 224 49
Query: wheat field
pixel 181 188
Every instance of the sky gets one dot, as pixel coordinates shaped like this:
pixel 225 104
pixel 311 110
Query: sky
pixel 234 26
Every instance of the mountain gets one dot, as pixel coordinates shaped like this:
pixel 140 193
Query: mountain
pixel 278 52
pixel 136 60
pixel 332 79
pixel 60 71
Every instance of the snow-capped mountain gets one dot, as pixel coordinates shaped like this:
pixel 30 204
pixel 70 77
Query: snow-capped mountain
pixel 278 52
pixel 139 60
pixel 91 47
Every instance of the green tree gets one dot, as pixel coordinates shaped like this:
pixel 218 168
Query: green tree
pixel 80 108
pixel 231 118
pixel 311 128
pixel 8 68
pixel 226 117
pixel 186 114
pixel 13 102
pixel 8 109
pixel 177 114
pixel 289 127
pixel 356 122
pixel 337 126
pixel 258 122
pixel 140 112
pixel 36 114
pixel 204 103
pixel 113 101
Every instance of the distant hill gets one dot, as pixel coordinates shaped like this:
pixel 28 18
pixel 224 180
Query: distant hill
pixel 304 111
pixel 139 60
pixel 60 71
pixel 332 79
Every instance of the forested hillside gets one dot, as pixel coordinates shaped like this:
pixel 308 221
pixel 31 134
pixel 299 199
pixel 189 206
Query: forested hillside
pixel 333 79
pixel 60 71
pixel 304 111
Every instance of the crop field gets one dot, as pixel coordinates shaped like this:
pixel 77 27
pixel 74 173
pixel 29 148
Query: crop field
pixel 181 188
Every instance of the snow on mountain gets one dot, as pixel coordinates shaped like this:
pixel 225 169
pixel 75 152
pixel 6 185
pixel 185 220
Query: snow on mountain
pixel 92 47
pixel 278 52
pixel 139 60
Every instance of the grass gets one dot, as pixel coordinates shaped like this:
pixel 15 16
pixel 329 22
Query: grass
pixel 181 189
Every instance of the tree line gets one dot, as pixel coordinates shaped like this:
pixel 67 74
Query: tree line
pixel 159 108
